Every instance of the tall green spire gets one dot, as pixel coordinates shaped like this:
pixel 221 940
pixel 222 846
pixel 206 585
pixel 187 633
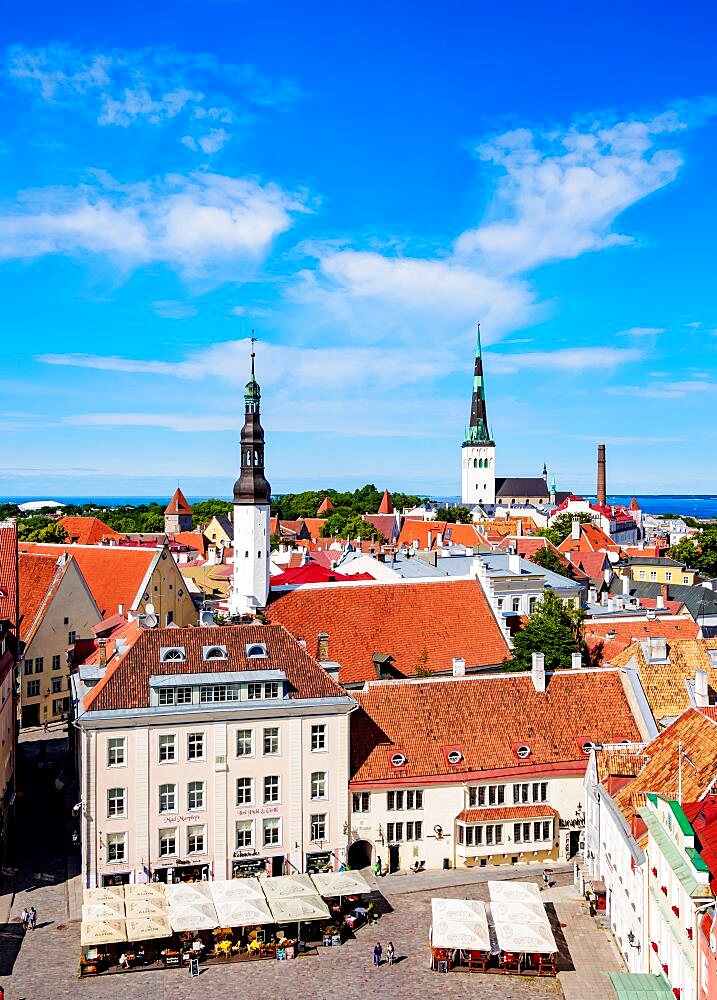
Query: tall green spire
pixel 478 432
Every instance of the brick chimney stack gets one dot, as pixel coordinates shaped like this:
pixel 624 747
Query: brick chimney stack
pixel 601 491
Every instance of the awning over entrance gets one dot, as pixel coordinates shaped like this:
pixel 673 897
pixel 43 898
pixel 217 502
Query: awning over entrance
pixel 639 986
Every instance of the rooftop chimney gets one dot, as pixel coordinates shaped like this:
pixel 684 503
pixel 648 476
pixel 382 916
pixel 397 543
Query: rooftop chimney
pixel 102 652
pixel 701 696
pixel 459 666
pixel 575 533
pixel 626 581
pixel 660 602
pixel 322 654
pixel 576 661
pixel 514 564
pixel 601 491
pixel 120 609
pixel 538 671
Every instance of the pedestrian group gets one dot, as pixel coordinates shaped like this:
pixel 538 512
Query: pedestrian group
pixel 28 918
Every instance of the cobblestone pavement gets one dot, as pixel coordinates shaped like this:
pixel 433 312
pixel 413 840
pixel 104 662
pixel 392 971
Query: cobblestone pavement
pixel 43 964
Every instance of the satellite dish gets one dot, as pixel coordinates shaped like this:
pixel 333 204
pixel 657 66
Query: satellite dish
pixel 150 621
pixel 149 608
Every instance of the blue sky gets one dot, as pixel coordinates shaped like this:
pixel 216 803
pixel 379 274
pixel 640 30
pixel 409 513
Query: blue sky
pixel 361 184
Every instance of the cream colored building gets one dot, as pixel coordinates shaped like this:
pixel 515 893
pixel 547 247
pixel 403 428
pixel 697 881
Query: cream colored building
pixel 56 609
pixel 208 753
pixel 9 615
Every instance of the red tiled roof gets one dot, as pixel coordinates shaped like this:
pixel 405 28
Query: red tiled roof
pixel 192 540
pixel 426 534
pixel 87 530
pixel 487 719
pixel 313 572
pixel 37 575
pixel 505 812
pixel 703 817
pixel 593 564
pixel 592 539
pixel 8 572
pixel 386 505
pixel 410 621
pixel 314 525
pixel 178 504
pixel 598 633
pixel 126 684
pixel 113 573
pixel 525 546
pixel 385 523
pixel 325 507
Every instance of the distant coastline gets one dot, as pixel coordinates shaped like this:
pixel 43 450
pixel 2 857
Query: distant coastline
pixel 702 506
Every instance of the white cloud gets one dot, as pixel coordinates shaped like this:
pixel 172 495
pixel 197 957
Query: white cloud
pixel 562 191
pixel 570 359
pixel 151 86
pixel 665 390
pixel 695 325
pixel 173 309
pixel 628 440
pixel 190 222
pixel 642 331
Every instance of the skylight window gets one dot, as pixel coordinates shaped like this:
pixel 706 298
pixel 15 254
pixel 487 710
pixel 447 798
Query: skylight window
pixel 214 652
pixel 256 650
pixel 172 653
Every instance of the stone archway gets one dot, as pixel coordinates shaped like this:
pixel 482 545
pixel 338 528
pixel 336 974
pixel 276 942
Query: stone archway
pixel 360 854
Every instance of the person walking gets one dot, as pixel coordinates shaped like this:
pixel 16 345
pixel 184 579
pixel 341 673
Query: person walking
pixel 391 952
pixel 33 917
pixel 25 918
pixel 377 952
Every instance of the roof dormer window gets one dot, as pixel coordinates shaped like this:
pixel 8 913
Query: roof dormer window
pixel 172 654
pixel 256 650
pixel 523 751
pixel 587 746
pixel 214 652
pixel 454 757
pixel 398 759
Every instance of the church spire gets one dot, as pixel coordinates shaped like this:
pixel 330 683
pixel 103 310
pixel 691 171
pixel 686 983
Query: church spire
pixel 478 432
pixel 252 487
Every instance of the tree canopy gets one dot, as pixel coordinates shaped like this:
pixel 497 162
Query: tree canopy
pixel 700 552
pixel 342 525
pixel 456 515
pixel 366 500
pixel 553 629
pixel 39 529
pixel 550 560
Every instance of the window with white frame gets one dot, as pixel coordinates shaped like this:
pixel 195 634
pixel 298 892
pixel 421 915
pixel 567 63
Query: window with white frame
pixel 271 788
pixel 195 746
pixel 116 751
pixel 521 793
pixel 195 839
pixel 414 830
pixel 253 691
pixel 318 785
pixel 218 692
pixel 56 661
pixel 668 576
pixel 33 689
pixel 271 689
pixel 244 833
pixel 245 742
pixel 394 832
pixel 272 832
pixel 394 800
pixel 516 605
pixel 184 696
pixel 167 798
pixel 318 827
pixel 165 696
pixel 361 802
pixel 271 741
pixel 414 799
pixel 168 842
pixel 244 791
pixel 521 833
pixel 116 847
pixel 532 604
pixel 540 791
pixel 115 802
pixel 195 795
pixel 167 748
pixel 318 737
pixel 492 795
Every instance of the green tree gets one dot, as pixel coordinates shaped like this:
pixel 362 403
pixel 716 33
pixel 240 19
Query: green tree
pixel 700 552
pixel 456 515
pixel 562 526
pixel 550 560
pixel 552 629
pixel 205 510
pixel 345 524
pixel 37 529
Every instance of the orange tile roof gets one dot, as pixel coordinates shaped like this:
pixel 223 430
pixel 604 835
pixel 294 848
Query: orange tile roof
pixel 314 525
pixel 592 539
pixel 487 719
pixel 505 812
pixel 386 505
pixel 664 684
pixel 38 574
pixel 698 735
pixel 113 573
pixel 426 534
pixel 125 685
pixel 87 530
pixel 606 639
pixel 178 504
pixel 444 618
pixel 8 572
pixel 325 507
pixel 193 540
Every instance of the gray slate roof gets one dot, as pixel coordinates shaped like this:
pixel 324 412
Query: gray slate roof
pixel 516 486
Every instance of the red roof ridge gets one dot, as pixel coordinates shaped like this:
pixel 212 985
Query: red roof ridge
pixel 178 504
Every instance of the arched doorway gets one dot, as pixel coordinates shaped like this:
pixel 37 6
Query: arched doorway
pixel 360 853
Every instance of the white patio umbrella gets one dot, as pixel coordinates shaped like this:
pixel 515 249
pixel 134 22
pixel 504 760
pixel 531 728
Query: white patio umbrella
pixel 113 895
pixel 340 883
pixel 240 905
pixel 460 923
pixel 285 886
pixel 508 889
pixel 148 928
pixel 103 911
pixel 524 911
pixel 94 932
pixel 145 890
pixel 139 907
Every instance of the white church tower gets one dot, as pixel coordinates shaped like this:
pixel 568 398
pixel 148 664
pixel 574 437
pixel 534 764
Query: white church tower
pixel 478 451
pixel 252 494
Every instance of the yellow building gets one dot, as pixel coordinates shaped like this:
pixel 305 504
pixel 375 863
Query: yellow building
pixel 651 569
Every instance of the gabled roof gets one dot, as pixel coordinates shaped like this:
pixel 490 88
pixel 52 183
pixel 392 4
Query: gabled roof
pixel 699 601
pixel 487 718
pixel 325 507
pixel 608 638
pixel 178 504
pixel 665 684
pixel 593 564
pixel 87 530
pixel 126 683
pixel 698 735
pixel 702 816
pixel 192 540
pixel 592 539
pixel 446 619
pixel 521 486
pixel 113 573
pixel 39 575
pixel 386 505
pixel 426 534
pixel 313 572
